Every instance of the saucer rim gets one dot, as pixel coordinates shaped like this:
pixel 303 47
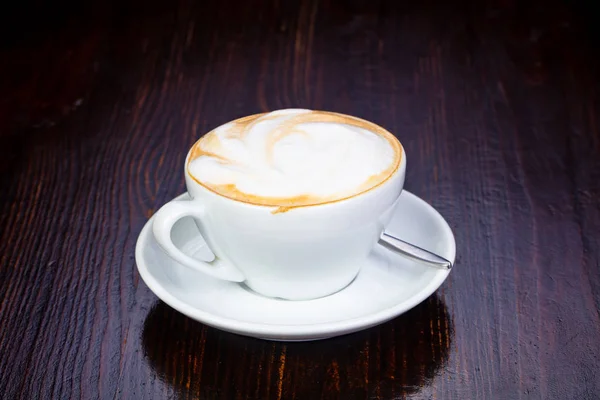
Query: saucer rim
pixel 290 331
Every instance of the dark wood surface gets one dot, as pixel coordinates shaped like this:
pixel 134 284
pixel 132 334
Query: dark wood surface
pixel 496 102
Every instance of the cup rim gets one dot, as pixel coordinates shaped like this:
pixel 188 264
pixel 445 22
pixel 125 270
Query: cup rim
pixel 280 208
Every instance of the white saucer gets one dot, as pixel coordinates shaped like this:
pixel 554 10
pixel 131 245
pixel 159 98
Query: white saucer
pixel 387 286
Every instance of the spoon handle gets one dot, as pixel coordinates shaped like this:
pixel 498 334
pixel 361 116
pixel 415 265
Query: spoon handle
pixel 413 252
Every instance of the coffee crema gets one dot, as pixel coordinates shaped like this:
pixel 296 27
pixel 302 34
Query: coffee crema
pixel 294 158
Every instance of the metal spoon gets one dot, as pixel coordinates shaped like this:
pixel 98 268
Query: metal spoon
pixel 413 252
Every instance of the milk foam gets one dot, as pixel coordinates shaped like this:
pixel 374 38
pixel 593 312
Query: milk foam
pixel 294 157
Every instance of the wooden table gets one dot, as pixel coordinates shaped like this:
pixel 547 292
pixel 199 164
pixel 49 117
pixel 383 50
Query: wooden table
pixel 496 103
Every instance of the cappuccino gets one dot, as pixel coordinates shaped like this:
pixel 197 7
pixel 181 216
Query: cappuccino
pixel 290 202
pixel 294 158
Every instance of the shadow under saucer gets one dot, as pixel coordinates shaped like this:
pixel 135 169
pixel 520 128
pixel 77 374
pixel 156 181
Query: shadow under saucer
pixel 397 358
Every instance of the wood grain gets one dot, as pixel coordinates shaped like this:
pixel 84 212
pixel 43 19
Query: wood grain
pixel 495 102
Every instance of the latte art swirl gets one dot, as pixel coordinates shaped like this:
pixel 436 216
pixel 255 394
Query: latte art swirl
pixel 294 157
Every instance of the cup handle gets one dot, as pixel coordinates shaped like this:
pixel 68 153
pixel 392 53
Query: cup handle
pixel 162 225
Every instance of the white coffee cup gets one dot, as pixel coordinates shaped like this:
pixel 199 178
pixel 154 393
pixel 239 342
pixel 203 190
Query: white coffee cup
pixel 304 253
